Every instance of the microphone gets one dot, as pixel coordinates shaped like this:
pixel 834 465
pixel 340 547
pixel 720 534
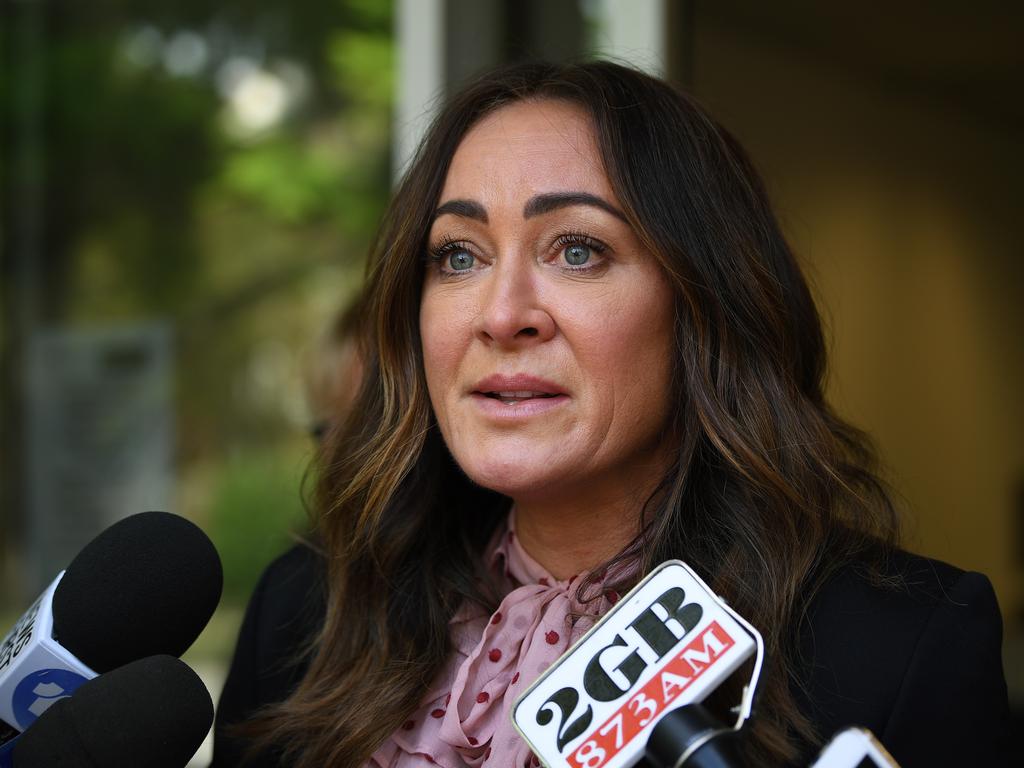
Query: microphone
pixel 690 737
pixel 147 585
pixel 631 688
pixel 854 748
pixel 669 642
pixel 150 713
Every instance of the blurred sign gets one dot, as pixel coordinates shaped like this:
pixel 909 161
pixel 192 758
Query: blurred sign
pixel 100 436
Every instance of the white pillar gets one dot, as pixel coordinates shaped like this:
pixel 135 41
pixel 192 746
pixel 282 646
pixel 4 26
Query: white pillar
pixel 633 31
pixel 420 82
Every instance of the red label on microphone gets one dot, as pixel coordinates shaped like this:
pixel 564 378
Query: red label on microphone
pixel 653 699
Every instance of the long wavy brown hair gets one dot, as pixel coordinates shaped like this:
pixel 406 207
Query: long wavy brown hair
pixel 769 493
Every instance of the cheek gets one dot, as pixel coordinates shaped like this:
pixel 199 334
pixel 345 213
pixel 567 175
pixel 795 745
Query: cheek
pixel 434 349
pixel 442 344
pixel 632 351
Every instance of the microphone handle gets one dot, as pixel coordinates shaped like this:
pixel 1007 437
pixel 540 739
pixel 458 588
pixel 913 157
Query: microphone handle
pixel 691 736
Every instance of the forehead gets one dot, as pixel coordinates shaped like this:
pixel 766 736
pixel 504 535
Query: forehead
pixel 526 148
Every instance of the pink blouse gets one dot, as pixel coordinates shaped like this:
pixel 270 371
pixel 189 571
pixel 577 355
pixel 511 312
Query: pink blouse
pixel 465 718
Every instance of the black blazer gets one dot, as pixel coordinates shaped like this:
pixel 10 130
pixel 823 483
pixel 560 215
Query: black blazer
pixel 919 664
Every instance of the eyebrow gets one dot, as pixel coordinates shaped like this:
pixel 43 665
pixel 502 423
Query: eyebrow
pixel 468 209
pixel 552 201
pixel 537 205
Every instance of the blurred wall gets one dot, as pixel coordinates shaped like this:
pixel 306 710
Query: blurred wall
pixel 904 203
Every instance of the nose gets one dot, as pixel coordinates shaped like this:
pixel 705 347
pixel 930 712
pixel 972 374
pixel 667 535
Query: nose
pixel 511 313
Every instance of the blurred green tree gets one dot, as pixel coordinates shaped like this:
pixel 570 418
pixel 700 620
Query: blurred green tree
pixel 221 166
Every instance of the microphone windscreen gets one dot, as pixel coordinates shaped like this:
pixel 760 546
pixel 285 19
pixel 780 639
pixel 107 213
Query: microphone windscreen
pixel 151 713
pixel 146 585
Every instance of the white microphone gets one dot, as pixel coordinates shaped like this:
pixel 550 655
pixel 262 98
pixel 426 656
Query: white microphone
pixel 669 642
pixel 38 670
pixel 854 748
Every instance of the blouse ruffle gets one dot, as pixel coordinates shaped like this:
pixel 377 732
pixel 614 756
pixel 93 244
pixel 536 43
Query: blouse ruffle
pixel 465 719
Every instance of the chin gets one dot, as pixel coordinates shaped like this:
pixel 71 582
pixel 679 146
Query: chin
pixel 514 479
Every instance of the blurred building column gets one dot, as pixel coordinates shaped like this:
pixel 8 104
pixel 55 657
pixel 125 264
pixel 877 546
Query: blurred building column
pixel 420 39
pixel 635 32
pixel 444 43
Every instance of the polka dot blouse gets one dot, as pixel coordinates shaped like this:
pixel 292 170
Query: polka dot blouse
pixel 465 719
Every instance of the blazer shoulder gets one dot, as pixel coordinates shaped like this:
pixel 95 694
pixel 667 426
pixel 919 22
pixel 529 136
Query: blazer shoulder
pixel 877 647
pixel 284 613
pixel 952 707
pixel 273 648
pixel 292 582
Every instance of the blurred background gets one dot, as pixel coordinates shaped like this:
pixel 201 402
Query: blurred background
pixel 187 191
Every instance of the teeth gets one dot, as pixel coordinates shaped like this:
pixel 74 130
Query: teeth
pixel 517 396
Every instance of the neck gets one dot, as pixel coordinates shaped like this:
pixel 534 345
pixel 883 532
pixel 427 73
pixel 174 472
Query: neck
pixel 577 532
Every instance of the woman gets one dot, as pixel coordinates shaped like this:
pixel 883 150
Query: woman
pixel 589 350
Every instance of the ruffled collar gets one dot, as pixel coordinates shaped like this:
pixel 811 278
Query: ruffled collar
pixel 465 720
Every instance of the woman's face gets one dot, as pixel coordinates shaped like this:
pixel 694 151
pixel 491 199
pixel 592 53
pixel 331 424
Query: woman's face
pixel 546 327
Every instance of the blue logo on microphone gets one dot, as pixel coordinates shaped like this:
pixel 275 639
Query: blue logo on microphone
pixel 40 690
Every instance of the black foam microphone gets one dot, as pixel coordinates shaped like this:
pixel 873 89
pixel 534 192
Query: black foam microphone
pixel 151 713
pixel 146 585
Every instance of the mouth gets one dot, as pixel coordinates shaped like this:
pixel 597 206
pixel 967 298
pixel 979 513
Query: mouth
pixel 521 393
pixel 517 397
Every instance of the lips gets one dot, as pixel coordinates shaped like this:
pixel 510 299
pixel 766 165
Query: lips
pixel 520 386
pixel 517 389
pixel 511 398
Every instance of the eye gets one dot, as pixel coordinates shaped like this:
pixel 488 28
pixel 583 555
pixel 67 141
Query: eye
pixel 460 260
pixel 452 256
pixel 580 252
pixel 577 254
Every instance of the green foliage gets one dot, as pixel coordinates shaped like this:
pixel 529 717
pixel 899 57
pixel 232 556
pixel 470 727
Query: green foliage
pixel 372 14
pixel 255 511
pixel 133 149
pixel 153 203
pixel 157 204
pixel 293 182
pixel 363 63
